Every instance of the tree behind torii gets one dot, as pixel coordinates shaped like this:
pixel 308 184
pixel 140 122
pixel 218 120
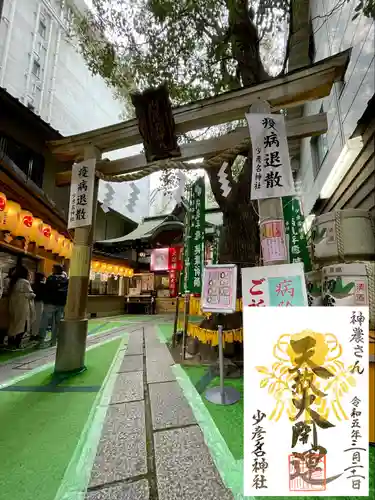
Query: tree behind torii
pixel 199 48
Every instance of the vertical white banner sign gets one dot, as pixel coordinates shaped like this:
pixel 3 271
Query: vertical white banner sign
pixel 306 401
pixel 272 173
pixel 81 194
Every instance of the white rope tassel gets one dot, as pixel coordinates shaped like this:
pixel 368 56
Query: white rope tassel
pixel 133 198
pixel 223 180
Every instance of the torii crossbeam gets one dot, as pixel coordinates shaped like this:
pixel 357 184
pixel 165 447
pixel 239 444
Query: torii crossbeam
pixel 294 89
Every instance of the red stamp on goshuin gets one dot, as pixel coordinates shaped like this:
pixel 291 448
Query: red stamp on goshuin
pixel 307 472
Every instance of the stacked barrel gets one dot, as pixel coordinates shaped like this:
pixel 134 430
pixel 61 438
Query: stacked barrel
pixel 343 251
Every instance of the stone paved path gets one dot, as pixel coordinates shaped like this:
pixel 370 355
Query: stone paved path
pixel 151 447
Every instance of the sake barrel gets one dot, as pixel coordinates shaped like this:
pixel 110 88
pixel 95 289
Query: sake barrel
pixel 350 285
pixel 372 386
pixel 314 288
pixel 343 235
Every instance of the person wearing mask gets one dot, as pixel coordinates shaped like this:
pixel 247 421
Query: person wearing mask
pixel 38 289
pixel 55 296
pixel 21 306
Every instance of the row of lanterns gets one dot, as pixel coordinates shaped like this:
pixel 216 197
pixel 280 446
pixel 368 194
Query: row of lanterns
pixel 20 222
pixel 103 268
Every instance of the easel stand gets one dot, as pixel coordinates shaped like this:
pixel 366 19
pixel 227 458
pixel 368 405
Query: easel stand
pixel 222 395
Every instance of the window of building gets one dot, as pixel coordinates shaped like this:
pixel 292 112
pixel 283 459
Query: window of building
pixel 312 48
pixel 319 147
pixel 68 15
pixel 36 68
pixel 42 30
pixel 340 86
pixel 26 160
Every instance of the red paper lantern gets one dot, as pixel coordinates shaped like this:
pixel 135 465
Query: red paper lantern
pixel 46 236
pixel 24 225
pixel 3 202
pixel 10 217
pixel 36 233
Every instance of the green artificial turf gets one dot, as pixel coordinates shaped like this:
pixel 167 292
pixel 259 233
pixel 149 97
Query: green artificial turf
pixel 165 333
pixel 110 325
pixel 40 431
pixel 9 355
pixel 192 319
pixel 94 325
pixel 229 421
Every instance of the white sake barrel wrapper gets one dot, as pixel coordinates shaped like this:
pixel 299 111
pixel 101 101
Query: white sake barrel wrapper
pixel 343 235
pixel 350 285
pixel 314 288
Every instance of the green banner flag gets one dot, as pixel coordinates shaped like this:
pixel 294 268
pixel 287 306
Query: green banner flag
pixel 194 257
pixel 295 235
pixel 216 243
pixel 185 250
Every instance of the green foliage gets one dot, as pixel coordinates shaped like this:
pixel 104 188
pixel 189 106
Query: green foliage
pixel 136 44
pixel 367 7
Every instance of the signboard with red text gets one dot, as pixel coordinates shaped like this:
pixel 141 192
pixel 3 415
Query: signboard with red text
pixel 166 259
pixel 173 283
pixel 281 286
pixel 175 258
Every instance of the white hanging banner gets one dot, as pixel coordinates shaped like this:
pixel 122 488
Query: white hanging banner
pixel 81 194
pixel 272 173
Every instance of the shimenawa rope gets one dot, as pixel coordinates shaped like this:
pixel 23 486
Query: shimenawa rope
pixel 225 156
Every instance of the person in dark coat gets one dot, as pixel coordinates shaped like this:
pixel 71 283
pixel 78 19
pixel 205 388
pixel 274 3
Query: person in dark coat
pixel 55 296
pixel 38 288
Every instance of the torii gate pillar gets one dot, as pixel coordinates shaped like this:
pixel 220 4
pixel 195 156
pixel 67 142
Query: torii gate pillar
pixel 71 346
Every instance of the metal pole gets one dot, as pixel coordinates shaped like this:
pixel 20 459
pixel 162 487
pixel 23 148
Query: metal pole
pixel 186 318
pixel 221 362
pixel 175 325
pixel 222 395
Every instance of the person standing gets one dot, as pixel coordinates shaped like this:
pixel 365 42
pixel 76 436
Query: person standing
pixel 38 289
pixel 21 306
pixel 55 296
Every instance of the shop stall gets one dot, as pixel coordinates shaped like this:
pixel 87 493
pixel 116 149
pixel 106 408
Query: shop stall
pixel 108 286
pixel 27 239
pixel 156 247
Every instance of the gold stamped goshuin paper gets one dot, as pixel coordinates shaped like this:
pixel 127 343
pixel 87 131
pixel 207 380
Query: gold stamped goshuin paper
pixel 306 401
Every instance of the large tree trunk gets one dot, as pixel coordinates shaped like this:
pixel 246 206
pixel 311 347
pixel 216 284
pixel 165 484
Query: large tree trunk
pixel 244 40
pixel 239 242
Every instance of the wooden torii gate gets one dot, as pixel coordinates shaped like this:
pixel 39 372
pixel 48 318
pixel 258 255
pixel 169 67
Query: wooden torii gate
pixel 294 89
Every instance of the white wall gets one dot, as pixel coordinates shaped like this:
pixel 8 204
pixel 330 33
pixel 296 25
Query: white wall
pixel 346 105
pixel 66 95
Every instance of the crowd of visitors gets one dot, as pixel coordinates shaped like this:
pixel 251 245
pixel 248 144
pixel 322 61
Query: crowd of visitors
pixel 36 307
